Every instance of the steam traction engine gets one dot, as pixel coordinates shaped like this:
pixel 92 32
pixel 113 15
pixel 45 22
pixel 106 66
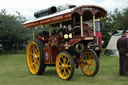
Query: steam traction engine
pixel 64 41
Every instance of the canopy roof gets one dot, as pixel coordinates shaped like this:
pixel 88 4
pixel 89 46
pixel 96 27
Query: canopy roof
pixel 67 14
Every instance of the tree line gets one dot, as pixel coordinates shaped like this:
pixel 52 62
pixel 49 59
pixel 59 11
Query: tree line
pixel 116 20
pixel 12 32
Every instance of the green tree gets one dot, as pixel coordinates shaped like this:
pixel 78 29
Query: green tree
pixel 11 31
pixel 124 20
pixel 116 20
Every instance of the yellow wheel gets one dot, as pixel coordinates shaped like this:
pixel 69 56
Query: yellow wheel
pixel 35 59
pixel 89 63
pixel 64 66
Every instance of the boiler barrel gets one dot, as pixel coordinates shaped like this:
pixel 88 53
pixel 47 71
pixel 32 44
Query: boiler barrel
pixel 45 12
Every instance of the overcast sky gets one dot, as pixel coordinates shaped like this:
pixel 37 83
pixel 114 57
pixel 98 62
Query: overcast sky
pixel 28 7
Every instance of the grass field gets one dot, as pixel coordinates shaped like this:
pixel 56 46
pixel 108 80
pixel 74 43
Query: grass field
pixel 13 71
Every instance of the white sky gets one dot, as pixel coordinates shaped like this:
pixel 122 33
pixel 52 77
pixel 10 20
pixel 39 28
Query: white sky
pixel 28 7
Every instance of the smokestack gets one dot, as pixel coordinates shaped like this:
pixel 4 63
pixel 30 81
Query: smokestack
pixel 45 12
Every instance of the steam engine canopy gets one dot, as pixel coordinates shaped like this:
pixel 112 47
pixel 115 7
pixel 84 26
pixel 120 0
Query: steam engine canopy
pixel 47 16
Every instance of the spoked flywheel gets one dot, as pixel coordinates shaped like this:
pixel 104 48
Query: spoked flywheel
pixel 89 62
pixel 35 59
pixel 64 66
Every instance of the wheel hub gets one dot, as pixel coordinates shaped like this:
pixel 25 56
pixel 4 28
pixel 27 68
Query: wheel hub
pixel 35 56
pixel 89 62
pixel 64 66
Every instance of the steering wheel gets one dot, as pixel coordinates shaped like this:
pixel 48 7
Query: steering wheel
pixel 76 27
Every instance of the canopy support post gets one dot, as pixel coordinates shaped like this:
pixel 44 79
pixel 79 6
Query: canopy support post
pixel 94 26
pixel 81 25
pixel 33 34
pixel 60 26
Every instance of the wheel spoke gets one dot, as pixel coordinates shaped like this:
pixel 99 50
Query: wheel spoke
pixel 89 68
pixel 31 53
pixel 35 49
pixel 36 66
pixel 64 59
pixel 58 66
pixel 68 66
pixel 33 58
pixel 61 68
pixel 89 57
pixel 32 64
pixel 92 68
pixel 68 70
pixel 38 55
pixel 64 74
pixel 38 62
pixel 33 46
pixel 67 61
pixel 93 64
pixel 60 62
pixel 90 61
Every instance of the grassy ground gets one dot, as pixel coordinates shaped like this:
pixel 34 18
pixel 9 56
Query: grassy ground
pixel 13 71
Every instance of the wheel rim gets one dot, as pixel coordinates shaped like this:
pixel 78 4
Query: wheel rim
pixel 33 57
pixel 88 63
pixel 63 66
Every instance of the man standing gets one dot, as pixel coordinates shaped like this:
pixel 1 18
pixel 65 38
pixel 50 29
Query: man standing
pixel 122 46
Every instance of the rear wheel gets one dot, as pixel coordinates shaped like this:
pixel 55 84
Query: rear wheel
pixel 35 58
pixel 64 66
pixel 89 63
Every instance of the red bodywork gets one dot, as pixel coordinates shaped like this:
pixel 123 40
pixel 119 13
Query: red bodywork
pixel 99 36
pixel 50 54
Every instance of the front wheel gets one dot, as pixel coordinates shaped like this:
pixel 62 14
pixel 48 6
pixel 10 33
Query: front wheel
pixel 64 65
pixel 35 57
pixel 89 63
